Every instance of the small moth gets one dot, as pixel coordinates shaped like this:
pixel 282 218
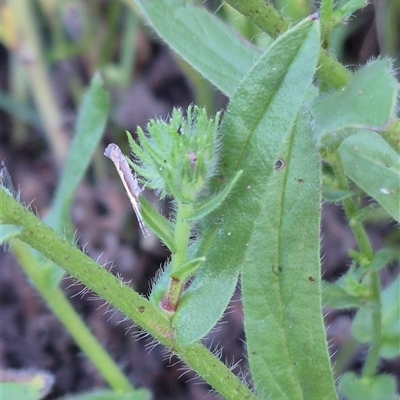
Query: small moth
pixel 130 182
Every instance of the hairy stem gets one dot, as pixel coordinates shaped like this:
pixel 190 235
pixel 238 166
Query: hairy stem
pixel 263 14
pixel 326 12
pixel 179 258
pixel 330 72
pixel 119 295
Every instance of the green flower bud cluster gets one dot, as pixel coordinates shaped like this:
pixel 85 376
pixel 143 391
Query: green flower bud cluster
pixel 179 157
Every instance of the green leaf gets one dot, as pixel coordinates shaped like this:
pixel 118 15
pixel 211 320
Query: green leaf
pixel 160 225
pixel 188 269
pixel 377 388
pixel 20 391
pixel 374 166
pixel 362 324
pixel 92 118
pixel 9 231
pixel 281 279
pixel 331 192
pixel 349 8
pixel 206 208
pixel 368 101
pixel 259 117
pixel 161 284
pixel 25 384
pixel 202 40
pixel 352 290
pixel 335 296
pixel 381 259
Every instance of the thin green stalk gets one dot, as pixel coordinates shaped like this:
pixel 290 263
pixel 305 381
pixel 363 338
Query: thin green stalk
pixel 64 311
pixel 121 296
pixel 392 135
pixel 263 14
pixel 40 80
pixel 179 257
pixel 19 88
pixel 330 72
pixel 326 13
pixel 373 354
pixel 114 11
pixel 350 210
pixel 52 13
pixel 128 51
pixel 366 249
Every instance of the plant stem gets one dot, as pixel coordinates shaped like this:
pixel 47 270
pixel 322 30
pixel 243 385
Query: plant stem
pixel 19 86
pixel 121 296
pixel 331 73
pixel 392 135
pixel 128 51
pixel 179 258
pixel 366 249
pixel 350 210
pixel 64 311
pixel 263 14
pixel 326 12
pixel 373 354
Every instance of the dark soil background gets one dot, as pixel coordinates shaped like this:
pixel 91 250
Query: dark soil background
pixel 32 338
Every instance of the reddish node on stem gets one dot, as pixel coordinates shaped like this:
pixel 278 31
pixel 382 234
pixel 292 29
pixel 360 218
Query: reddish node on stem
pixel 167 305
pixel 170 302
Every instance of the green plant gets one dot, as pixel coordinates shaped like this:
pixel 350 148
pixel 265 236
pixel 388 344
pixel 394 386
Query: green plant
pixel 249 190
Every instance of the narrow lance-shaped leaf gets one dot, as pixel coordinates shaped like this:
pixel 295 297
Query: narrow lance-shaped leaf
pixel 258 120
pixel 188 269
pixel 92 118
pixel 160 225
pixel 202 40
pixel 93 114
pixel 210 205
pixel 281 279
